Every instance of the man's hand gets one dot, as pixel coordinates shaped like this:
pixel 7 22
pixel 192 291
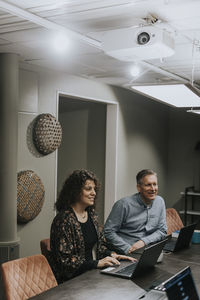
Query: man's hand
pixel 137 245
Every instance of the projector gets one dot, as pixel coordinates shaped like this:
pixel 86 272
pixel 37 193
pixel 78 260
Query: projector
pixel 142 43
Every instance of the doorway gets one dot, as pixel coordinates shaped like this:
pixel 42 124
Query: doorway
pixel 83 142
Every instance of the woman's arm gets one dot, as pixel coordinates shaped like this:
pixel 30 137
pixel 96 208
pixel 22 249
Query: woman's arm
pixel 67 248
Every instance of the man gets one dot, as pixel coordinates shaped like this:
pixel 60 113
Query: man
pixel 137 220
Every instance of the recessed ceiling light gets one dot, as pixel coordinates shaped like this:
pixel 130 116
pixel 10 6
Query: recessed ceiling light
pixel 179 95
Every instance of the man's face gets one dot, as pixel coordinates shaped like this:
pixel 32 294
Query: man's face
pixel 148 188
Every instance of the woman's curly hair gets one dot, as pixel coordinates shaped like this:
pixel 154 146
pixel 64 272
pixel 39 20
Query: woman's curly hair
pixel 72 188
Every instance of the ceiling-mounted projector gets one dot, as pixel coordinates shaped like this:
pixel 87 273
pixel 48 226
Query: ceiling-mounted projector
pixel 142 43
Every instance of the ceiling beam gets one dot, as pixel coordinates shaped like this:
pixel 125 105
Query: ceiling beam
pixel 164 72
pixel 24 14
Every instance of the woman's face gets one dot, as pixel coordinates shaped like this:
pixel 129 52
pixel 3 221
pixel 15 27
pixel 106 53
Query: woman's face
pixel 88 193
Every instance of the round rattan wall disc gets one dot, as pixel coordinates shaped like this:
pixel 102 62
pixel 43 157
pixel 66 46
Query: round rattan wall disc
pixel 47 133
pixel 30 196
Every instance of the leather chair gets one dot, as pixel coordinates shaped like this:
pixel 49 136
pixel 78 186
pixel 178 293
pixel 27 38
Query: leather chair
pixel 26 277
pixel 173 220
pixel 45 247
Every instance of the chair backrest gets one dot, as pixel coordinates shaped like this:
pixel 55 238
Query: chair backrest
pixel 45 247
pixel 26 277
pixel 173 220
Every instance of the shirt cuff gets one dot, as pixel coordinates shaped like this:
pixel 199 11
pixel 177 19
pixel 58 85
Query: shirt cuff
pixel 146 240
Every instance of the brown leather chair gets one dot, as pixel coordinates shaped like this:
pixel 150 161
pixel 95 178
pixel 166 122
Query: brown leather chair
pixel 45 247
pixel 26 277
pixel 173 219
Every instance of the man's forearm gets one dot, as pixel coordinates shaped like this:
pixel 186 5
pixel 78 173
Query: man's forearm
pixel 154 237
pixel 137 245
pixel 114 239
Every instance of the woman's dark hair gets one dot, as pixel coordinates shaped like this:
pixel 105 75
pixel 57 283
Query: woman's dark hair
pixel 72 187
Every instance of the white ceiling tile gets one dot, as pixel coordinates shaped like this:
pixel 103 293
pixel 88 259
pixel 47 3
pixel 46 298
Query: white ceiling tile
pixel 181 18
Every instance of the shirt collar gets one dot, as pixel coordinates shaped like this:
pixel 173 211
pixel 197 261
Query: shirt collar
pixel 142 203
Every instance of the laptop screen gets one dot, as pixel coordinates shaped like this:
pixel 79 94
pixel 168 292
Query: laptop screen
pixel 182 286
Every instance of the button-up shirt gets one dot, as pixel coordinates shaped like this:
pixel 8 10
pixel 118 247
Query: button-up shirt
pixel 131 220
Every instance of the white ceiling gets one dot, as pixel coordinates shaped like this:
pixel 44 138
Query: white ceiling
pixel 27 28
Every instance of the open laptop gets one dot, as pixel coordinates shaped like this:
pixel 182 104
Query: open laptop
pixel 147 259
pixel 183 239
pixel 181 286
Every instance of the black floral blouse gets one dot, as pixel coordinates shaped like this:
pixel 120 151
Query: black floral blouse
pixel 67 255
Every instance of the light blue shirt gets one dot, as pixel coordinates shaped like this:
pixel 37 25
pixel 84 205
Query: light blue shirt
pixel 131 220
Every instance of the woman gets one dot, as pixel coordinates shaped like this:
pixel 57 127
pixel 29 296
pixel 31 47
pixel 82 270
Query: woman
pixel 75 230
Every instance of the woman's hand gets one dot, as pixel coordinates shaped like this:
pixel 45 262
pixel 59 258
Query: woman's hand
pixel 122 257
pixel 107 261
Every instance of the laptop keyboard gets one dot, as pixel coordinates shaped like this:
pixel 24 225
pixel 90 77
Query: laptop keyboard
pixel 127 270
pixel 170 246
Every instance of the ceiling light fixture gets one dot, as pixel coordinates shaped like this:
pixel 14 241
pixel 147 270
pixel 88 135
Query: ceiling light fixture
pixel 135 70
pixel 179 95
pixel 194 111
pixel 61 42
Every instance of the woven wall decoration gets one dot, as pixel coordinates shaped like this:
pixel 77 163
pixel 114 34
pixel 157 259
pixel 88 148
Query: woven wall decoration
pixel 30 196
pixel 47 133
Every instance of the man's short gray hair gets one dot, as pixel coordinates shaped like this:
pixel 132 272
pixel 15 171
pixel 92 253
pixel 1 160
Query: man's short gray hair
pixel 143 173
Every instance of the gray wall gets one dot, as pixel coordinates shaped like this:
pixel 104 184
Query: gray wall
pixel 38 94
pixel 149 136
pixel 184 160
pixel 143 140
pixel 28 159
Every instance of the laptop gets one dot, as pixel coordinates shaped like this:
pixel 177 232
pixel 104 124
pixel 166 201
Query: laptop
pixel 183 239
pixel 147 259
pixel 181 286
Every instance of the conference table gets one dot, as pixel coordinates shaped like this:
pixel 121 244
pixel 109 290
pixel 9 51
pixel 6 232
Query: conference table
pixel 93 285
